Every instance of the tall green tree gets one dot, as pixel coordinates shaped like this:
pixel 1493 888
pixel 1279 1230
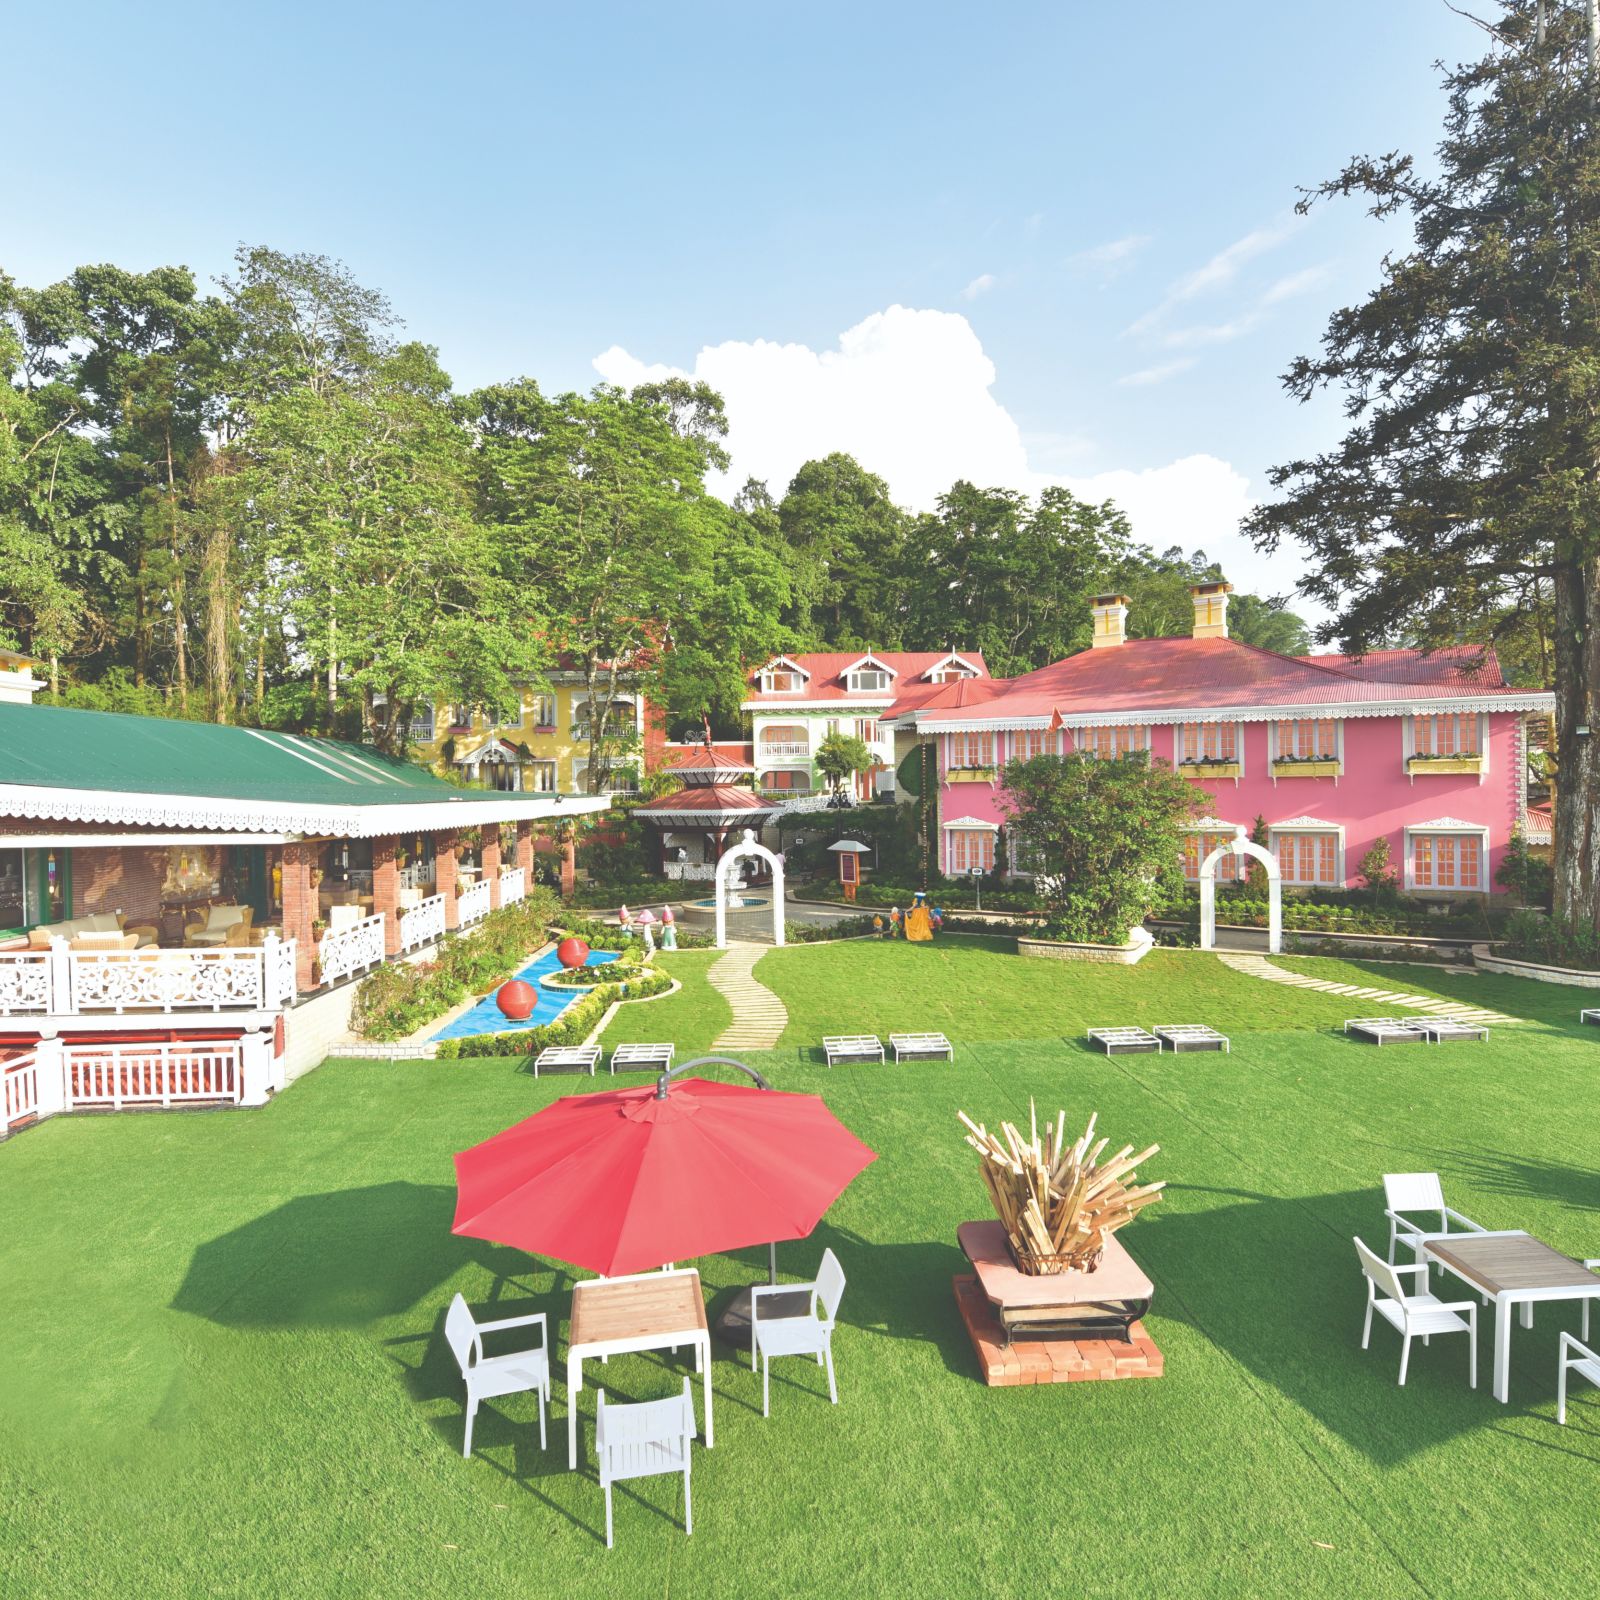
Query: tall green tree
pixel 1470 471
pixel 844 537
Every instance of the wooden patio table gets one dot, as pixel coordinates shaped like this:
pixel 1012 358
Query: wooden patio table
pixel 648 1311
pixel 1512 1268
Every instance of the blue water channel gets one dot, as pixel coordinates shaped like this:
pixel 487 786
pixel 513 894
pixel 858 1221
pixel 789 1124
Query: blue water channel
pixel 486 1017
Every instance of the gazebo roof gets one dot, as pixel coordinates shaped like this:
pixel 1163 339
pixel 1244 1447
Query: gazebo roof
pixel 703 758
pixel 713 802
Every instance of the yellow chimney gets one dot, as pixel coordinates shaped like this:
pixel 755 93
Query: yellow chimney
pixel 1210 609
pixel 1110 620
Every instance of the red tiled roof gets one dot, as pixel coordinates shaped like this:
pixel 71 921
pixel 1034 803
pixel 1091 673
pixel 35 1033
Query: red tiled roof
pixel 1466 665
pixel 1184 673
pixel 827 669
pixel 732 758
pixel 720 797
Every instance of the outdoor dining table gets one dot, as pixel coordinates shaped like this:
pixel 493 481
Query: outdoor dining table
pixel 1512 1268
pixel 648 1311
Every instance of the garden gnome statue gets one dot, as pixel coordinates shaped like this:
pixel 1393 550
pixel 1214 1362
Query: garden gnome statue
pixel 646 925
pixel 669 929
pixel 894 921
pixel 918 924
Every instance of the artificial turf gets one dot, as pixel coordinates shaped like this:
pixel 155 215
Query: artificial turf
pixel 224 1372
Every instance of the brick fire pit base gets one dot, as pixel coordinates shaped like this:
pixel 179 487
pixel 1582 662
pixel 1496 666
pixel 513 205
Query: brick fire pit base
pixel 1048 1360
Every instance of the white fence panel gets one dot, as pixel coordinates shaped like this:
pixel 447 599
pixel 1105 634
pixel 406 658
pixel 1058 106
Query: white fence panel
pixel 278 975
pixel 165 980
pixel 422 923
pixel 513 886
pixel 473 904
pixel 21 1089
pixel 346 950
pixel 101 1077
pixel 24 981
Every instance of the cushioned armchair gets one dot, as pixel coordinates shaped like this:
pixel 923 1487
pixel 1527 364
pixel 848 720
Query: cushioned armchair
pixel 217 926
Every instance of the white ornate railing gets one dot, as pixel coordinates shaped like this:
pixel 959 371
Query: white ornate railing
pixel 20 1089
pixel 418 875
pixel 62 981
pixel 173 980
pixel 473 904
pixel 782 749
pixel 24 981
pixel 513 886
pixel 422 923
pixel 789 802
pixel 691 871
pixel 114 1076
pixel 346 950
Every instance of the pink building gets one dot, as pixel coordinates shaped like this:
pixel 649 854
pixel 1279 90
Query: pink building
pixel 1334 753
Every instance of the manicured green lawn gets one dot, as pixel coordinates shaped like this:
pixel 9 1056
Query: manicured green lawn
pixel 224 1372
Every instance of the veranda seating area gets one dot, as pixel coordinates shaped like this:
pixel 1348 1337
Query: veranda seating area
pixel 266 1304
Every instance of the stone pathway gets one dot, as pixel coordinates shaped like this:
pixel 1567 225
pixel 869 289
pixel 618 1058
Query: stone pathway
pixel 759 1017
pixel 1253 966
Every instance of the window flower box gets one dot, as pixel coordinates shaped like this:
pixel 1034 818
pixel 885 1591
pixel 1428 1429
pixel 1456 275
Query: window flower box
pixel 1210 769
pixel 970 775
pixel 1438 766
pixel 1307 767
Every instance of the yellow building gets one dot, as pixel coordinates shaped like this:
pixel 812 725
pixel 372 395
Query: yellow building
pixel 539 745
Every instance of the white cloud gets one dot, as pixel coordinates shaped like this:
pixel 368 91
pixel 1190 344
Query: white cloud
pixel 1113 254
pixel 982 284
pixel 1297 283
pixel 910 395
pixel 1147 376
pixel 1212 333
pixel 1218 272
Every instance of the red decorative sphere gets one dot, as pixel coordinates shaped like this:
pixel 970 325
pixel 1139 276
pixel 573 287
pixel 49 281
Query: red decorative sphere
pixel 572 953
pixel 516 1000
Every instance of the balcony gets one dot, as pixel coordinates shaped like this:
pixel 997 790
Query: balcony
pixel 1307 767
pixel 64 982
pixel 783 750
pixel 1445 766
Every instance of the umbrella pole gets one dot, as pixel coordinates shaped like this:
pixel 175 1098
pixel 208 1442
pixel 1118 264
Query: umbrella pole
pixel 772 1262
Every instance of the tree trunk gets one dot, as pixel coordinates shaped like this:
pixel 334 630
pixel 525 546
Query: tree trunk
pixel 180 620
pixel 219 622
pixel 1577 677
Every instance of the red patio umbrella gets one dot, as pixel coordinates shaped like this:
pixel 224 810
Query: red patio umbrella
pixel 625 1180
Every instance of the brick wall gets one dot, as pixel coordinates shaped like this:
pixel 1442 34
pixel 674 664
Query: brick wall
pixel 386 892
pixel 490 861
pixel 300 909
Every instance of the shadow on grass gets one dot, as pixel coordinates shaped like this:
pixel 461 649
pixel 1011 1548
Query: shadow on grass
pixel 1531 1178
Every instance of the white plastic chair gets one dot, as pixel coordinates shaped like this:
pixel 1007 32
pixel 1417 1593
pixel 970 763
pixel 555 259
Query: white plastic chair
pixel 487 1377
pixel 803 1335
pixel 1407 1193
pixel 1583 1361
pixel 1414 1315
pixel 645 1440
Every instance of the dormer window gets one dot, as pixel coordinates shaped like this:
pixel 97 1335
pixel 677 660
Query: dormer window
pixel 950 669
pixel 869 680
pixel 783 676
pixel 952 674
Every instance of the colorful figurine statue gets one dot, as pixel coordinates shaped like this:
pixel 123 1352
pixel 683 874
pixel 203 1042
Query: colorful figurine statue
pixel 877 926
pixel 669 929
pixel 647 928
pixel 894 921
pixel 919 928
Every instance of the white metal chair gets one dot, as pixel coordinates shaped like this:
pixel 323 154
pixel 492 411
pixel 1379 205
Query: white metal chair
pixel 1405 1194
pixel 803 1335
pixel 645 1440
pixel 487 1377
pixel 1582 1360
pixel 1415 1315
pixel 1590 1265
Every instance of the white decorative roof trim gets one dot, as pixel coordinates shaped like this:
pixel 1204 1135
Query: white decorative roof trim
pixel 784 661
pixel 972 822
pixel 868 659
pixel 784 705
pixel 276 816
pixel 944 661
pixel 1307 825
pixel 1212 825
pixel 715 814
pixel 1447 825
pixel 1533 700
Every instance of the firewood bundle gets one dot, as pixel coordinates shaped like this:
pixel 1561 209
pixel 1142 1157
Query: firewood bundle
pixel 1059 1202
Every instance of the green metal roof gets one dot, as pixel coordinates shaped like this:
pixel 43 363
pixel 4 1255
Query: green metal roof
pixel 55 747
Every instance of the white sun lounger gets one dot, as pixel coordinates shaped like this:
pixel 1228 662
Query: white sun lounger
pixel 642 1057
pixel 1438 1029
pixel 1124 1041
pixel 853 1047
pixel 1193 1036
pixel 1590 1014
pixel 1391 1030
pixel 921 1046
pixel 567 1055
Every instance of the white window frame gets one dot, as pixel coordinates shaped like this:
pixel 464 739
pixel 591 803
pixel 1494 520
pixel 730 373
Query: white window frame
pixel 790 668
pixel 1408 747
pixel 1446 825
pixel 1140 740
pixel 1214 828
pixel 858 681
pixel 763 773
pixel 542 766
pixel 1180 743
pixel 951 669
pixel 1275 749
pixel 539 703
pixel 967 825
pixel 1313 825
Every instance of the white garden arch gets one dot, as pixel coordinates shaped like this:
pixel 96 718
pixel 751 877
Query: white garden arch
pixel 1240 846
pixel 748 846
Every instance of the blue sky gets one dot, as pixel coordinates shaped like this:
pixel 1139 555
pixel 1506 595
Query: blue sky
pixel 1094 200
